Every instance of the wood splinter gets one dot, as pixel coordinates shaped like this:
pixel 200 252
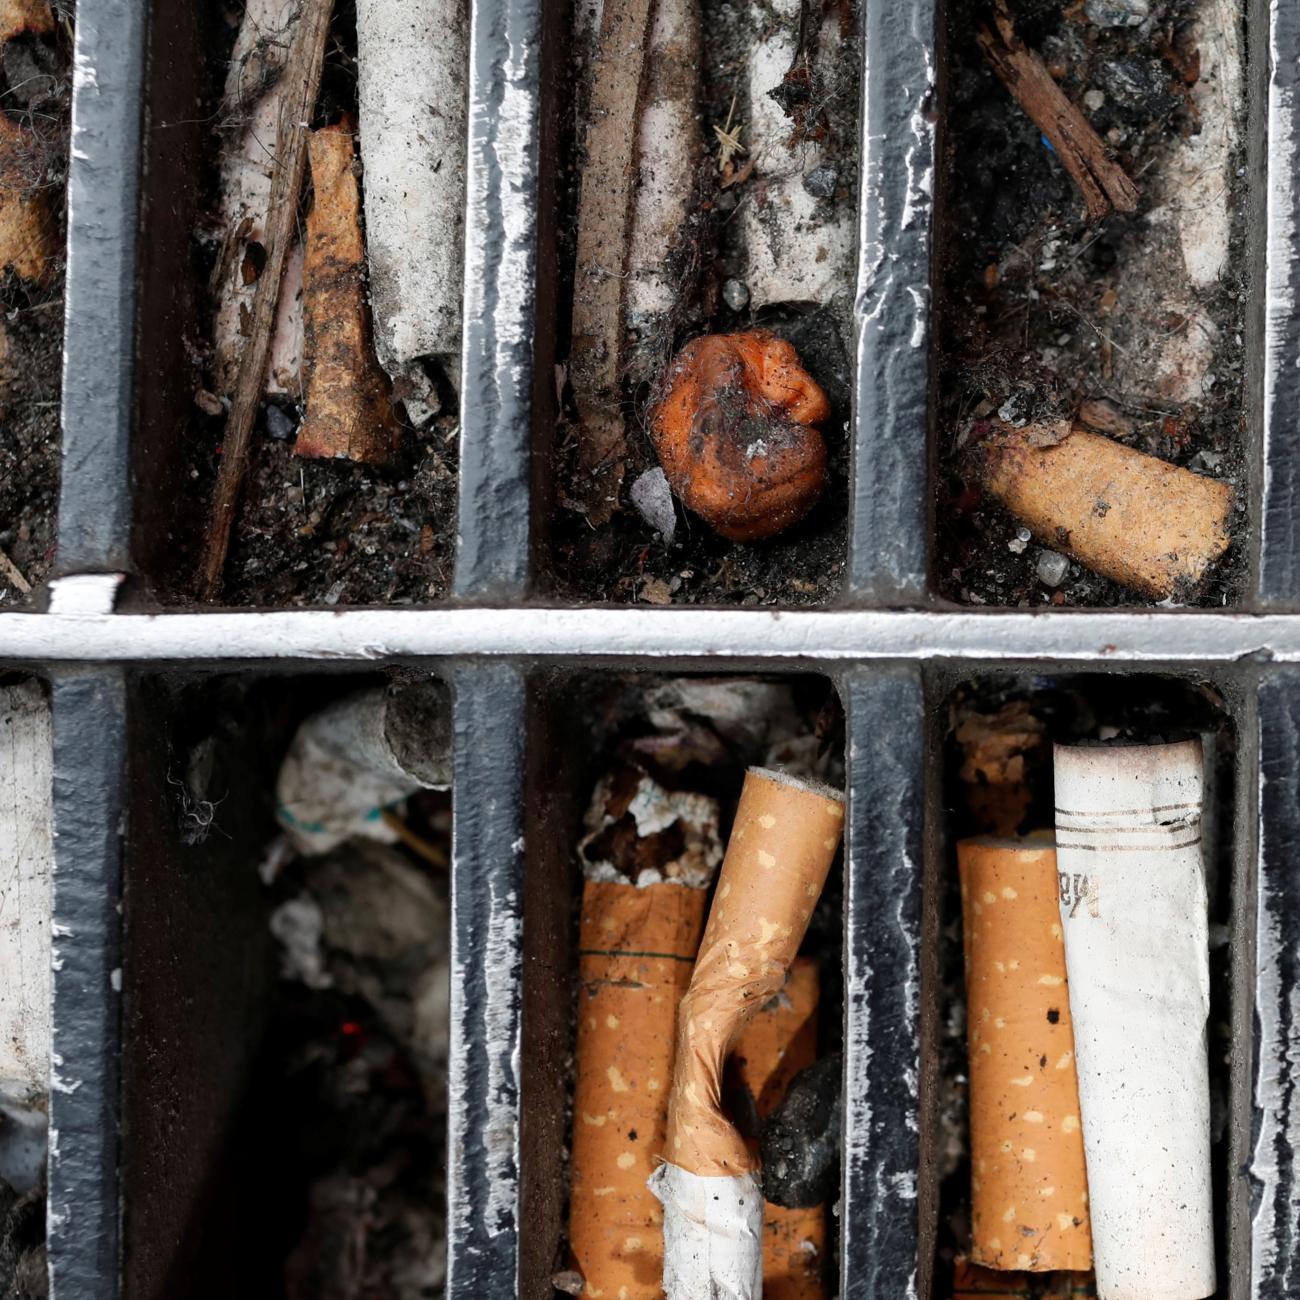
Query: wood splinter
pixel 349 414
pixel 1101 181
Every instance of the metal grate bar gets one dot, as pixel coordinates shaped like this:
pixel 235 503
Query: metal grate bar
pixel 1279 135
pixel 100 301
pixel 1273 1163
pixel 483 1086
pixel 881 1217
pixel 890 521
pixel 89 801
pixel 501 231
pixel 702 636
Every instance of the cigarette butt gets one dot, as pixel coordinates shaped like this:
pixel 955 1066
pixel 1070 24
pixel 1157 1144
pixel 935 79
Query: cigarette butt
pixel 348 411
pixel 782 844
pixel 1132 899
pixel 971 1282
pixel 27 245
pixel 1147 524
pixel 19 17
pixel 637 948
pixel 1029 1187
pixel 780 1041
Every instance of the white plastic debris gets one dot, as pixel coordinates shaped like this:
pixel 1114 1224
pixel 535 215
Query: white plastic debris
pixel 1133 908
pixel 27 853
pixel 713 1230
pixel 798 247
pixel 413 68
pixel 358 757
pixel 653 499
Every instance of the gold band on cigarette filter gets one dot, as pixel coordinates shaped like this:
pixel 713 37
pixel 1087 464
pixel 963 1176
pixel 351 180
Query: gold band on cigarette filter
pixel 637 947
pixel 1152 526
pixel 782 845
pixel 1029 1186
pixel 780 1041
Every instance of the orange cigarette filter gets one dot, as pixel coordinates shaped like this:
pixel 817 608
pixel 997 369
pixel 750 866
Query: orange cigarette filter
pixel 1152 526
pixel 1029 1186
pixel 970 1282
pixel 781 847
pixel 348 411
pixel 779 1042
pixel 637 949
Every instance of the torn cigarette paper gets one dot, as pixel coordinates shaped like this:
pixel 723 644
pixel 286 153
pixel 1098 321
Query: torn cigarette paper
pixel 412 79
pixel 27 850
pixel 1133 907
pixel 1029 1189
pixel 784 839
pixel 797 247
pixel 350 761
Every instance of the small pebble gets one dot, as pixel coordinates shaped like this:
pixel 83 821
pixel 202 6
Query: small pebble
pixel 1018 543
pixel 821 181
pixel 1052 568
pixel 653 499
pixel 279 424
pixel 1094 99
pixel 735 293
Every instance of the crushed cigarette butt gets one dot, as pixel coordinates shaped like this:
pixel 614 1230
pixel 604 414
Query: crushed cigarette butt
pixel 783 841
pixel 735 433
pixel 348 414
pixel 1152 526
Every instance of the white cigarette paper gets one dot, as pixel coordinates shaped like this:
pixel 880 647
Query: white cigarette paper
pixel 412 74
pixel 27 853
pixel 798 248
pixel 713 1234
pixel 1133 908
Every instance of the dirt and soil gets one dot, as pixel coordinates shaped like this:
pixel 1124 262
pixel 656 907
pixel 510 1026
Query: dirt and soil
pixel 1041 312
pixel 36 92
pixel 627 560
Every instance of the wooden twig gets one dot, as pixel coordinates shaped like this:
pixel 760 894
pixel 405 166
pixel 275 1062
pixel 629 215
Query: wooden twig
pixel 15 575
pixel 604 219
pixel 1101 180
pixel 302 75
